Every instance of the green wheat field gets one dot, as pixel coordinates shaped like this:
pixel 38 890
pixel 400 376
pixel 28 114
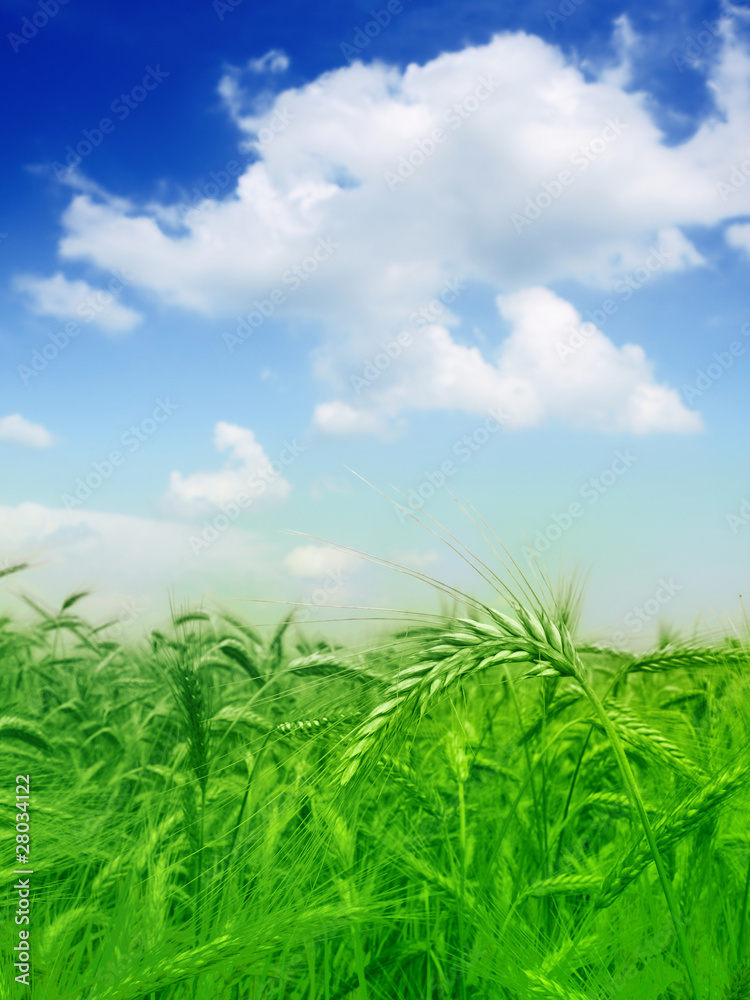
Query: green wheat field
pixel 479 804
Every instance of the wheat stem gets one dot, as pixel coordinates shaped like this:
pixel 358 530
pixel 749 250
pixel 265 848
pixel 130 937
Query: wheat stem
pixel 629 778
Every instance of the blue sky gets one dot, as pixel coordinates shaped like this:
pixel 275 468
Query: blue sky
pixel 248 248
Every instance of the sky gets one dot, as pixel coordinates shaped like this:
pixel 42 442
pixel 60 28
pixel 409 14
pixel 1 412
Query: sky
pixel 272 275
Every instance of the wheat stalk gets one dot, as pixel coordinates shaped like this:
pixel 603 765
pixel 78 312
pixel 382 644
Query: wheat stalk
pixel 457 654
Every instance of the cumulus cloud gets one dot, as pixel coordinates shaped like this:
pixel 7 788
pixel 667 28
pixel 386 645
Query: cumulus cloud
pixel 65 299
pixel 537 376
pixel 18 430
pixel 593 385
pixel 356 159
pixel 318 560
pixel 246 476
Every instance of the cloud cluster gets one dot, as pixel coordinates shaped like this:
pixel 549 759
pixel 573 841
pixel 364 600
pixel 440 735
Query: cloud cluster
pixel 474 138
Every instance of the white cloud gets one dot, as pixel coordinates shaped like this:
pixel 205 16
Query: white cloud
pixel 18 430
pixel 524 116
pixel 274 61
pixel 248 475
pixel 678 250
pixel 58 296
pixel 738 236
pixel 358 121
pixel 597 385
pixel 536 377
pixel 318 560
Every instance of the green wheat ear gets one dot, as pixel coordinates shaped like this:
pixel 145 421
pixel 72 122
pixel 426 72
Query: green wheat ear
pixel 23 731
pixel 16 568
pixel 673 827
pixel 543 988
pixel 459 649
